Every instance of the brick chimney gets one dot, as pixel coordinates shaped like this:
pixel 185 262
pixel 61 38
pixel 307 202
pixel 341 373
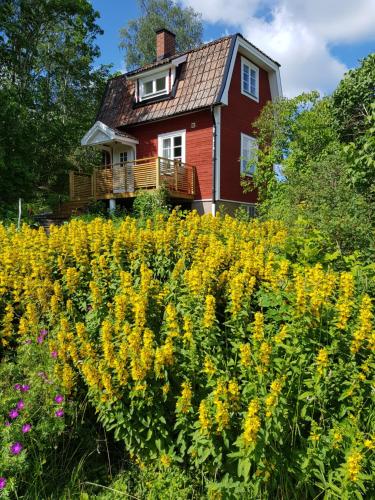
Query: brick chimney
pixel 165 44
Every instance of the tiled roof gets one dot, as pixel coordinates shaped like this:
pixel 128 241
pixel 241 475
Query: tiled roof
pixel 198 87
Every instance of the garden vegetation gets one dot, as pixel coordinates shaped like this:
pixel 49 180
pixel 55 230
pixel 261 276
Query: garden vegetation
pixel 210 348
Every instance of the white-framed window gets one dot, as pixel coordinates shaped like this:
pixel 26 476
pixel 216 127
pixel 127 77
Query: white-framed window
pixel 249 79
pixel 249 149
pixel 154 85
pixel 123 157
pixel 172 145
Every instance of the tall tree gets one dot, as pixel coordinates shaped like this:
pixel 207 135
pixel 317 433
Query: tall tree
pixel 138 36
pixel 49 90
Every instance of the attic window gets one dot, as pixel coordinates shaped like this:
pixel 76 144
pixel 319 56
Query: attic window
pixel 249 79
pixel 153 86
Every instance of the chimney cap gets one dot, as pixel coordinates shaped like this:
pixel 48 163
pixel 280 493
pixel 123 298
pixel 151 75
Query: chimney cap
pixel 165 30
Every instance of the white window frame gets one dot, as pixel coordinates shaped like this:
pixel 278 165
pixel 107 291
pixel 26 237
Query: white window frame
pixel 152 78
pixel 244 161
pixel 251 66
pixel 171 135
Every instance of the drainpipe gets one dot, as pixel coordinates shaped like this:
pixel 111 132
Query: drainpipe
pixel 214 139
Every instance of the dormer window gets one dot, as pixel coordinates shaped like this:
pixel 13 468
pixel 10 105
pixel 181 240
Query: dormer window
pixel 154 86
pixel 249 79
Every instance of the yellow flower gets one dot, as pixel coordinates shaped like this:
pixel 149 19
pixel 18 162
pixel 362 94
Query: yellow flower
pixel 245 355
pixel 258 326
pixel 165 460
pixel 281 334
pixel 184 401
pixel 251 424
pixel 353 465
pixel 209 312
pixel 209 367
pixel 204 417
pixel 322 360
pixel 369 443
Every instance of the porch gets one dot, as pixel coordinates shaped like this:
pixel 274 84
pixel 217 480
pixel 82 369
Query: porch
pixel 124 179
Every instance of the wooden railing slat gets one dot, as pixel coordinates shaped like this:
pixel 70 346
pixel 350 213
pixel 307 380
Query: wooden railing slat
pixel 127 177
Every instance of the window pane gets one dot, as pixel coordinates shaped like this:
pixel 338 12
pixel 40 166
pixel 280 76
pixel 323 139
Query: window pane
pixel 248 155
pixel 178 140
pixel 253 80
pixel 160 84
pixel 246 77
pixel 147 86
pixel 178 152
pixel 167 148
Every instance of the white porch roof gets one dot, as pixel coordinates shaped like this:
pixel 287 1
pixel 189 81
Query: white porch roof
pixel 101 134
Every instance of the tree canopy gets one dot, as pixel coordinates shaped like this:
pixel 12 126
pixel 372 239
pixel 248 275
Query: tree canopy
pixel 138 36
pixel 49 90
pixel 325 152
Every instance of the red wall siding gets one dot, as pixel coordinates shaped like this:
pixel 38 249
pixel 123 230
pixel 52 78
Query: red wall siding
pixel 198 144
pixel 237 117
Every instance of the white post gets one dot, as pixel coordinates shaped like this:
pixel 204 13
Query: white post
pixel 112 204
pixel 213 209
pixel 19 212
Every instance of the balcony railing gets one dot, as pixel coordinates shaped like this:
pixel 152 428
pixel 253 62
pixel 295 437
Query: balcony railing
pixel 123 180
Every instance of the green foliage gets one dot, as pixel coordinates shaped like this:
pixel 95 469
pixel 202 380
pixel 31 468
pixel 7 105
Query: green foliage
pixel 318 180
pixel 138 37
pixel 353 98
pixel 49 91
pixel 149 204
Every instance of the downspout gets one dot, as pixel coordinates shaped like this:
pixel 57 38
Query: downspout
pixel 214 161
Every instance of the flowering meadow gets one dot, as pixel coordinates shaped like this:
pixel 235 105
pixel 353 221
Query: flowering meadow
pixel 208 344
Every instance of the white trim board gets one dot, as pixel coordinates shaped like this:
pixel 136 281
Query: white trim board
pixel 100 134
pixel 217 115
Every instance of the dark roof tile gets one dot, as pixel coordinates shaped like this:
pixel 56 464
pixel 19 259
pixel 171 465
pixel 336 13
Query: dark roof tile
pixel 198 87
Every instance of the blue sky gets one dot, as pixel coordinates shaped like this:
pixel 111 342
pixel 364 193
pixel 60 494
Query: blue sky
pixel 315 41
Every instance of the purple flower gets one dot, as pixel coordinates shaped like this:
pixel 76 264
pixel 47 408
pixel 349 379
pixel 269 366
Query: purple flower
pixel 25 388
pixel 20 405
pixel 43 332
pixel 17 387
pixel 7 423
pixel 54 354
pixel 13 414
pixel 59 399
pixel 3 483
pixel 16 448
pixel 27 342
pixel 26 428
pixel 40 339
pixel 59 412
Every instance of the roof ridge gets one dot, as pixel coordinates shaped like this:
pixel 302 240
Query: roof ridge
pixel 178 54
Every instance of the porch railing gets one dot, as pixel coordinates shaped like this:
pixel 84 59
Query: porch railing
pixel 122 180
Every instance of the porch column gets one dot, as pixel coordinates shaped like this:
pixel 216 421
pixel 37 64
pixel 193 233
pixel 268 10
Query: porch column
pixel 112 204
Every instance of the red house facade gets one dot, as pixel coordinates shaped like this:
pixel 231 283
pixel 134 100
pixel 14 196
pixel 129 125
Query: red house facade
pixel 184 121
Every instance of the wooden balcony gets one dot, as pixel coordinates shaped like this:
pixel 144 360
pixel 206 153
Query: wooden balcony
pixel 123 180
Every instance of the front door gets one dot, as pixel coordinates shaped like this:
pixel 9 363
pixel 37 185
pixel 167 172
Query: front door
pixel 123 178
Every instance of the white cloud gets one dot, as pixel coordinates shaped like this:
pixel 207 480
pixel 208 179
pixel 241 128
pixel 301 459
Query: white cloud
pixel 297 33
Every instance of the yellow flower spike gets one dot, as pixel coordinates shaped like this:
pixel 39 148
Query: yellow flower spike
pixel 281 334
pixel 204 417
pixel 184 401
pixel 345 302
pixel 209 367
pixel 322 360
pixel 258 326
pixel 251 424
pixel 353 465
pixel 209 312
pixel 245 355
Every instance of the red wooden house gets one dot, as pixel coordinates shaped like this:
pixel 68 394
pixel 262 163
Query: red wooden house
pixel 183 121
